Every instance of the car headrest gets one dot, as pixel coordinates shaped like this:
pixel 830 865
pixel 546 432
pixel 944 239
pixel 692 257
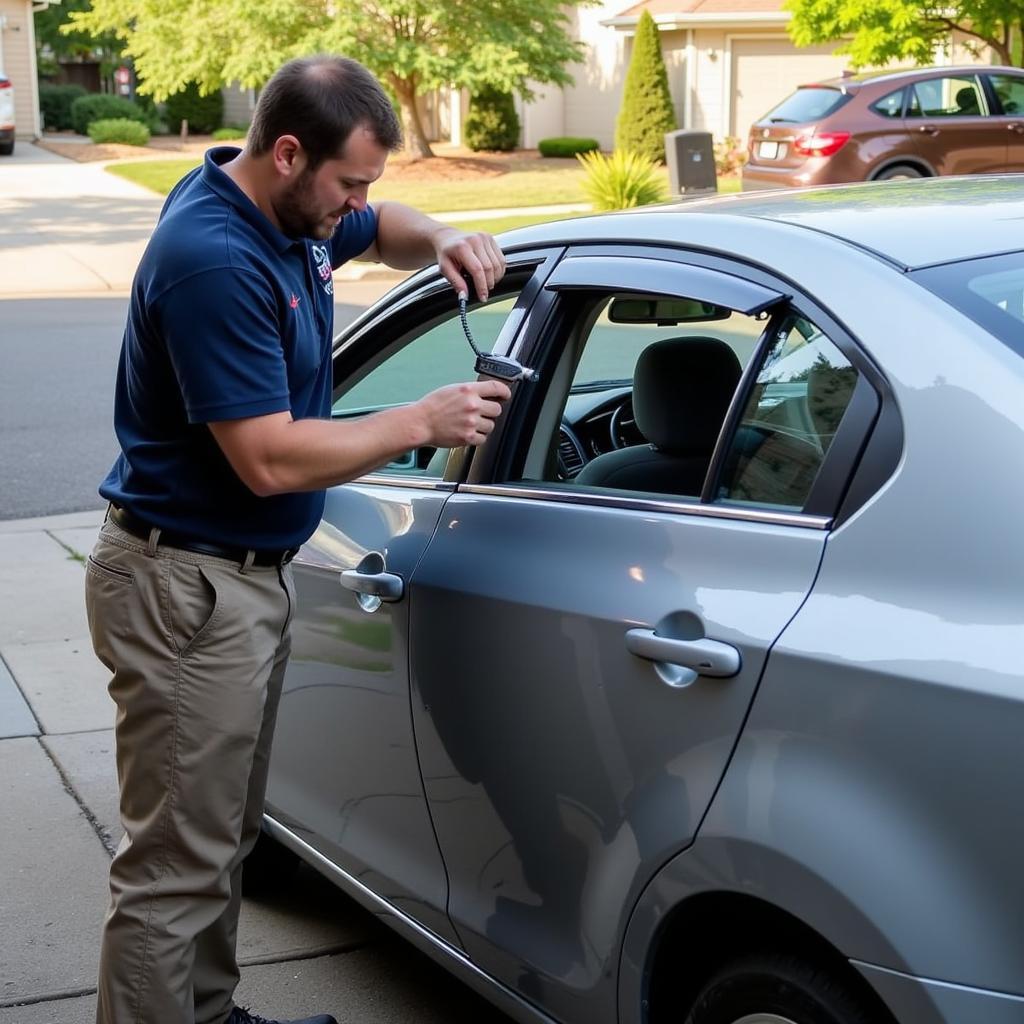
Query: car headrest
pixel 681 391
pixel 966 100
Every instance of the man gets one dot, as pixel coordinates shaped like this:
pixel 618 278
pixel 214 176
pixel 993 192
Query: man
pixel 222 412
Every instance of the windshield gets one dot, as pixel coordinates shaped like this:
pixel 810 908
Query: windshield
pixel 808 103
pixel 989 290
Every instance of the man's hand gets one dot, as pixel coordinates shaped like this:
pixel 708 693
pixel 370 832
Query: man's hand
pixel 462 413
pixel 476 255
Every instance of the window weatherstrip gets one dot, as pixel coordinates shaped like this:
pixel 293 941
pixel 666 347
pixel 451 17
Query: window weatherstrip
pixel 751 515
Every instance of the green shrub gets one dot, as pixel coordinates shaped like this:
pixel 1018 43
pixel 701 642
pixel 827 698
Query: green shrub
pixel 492 121
pixel 203 113
pixel 102 107
pixel 646 114
pixel 622 180
pixel 566 146
pixel 119 129
pixel 55 104
pixel 229 132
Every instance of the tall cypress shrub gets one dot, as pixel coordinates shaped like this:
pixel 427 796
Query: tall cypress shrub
pixel 646 113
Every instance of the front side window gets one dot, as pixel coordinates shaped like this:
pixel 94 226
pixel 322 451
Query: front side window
pixel 802 391
pixel 952 96
pixel 438 356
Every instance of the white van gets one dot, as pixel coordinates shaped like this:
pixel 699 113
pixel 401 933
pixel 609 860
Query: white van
pixel 6 116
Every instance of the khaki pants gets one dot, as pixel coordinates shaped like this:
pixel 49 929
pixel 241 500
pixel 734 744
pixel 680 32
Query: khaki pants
pixel 197 646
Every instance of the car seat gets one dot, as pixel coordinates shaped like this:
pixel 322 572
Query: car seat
pixel 682 388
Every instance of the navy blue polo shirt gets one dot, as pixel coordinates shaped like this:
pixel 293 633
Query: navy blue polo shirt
pixel 228 319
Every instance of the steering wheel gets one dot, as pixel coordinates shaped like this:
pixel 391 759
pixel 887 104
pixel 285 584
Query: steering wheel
pixel 615 425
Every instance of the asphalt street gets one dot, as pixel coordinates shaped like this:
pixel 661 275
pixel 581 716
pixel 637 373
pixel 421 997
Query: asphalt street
pixel 58 359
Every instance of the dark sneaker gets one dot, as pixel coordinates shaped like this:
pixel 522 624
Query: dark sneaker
pixel 240 1015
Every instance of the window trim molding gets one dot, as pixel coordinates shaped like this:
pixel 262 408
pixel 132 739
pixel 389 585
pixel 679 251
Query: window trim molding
pixel 593 498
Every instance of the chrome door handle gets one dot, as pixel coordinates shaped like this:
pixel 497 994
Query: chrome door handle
pixel 385 585
pixel 703 657
pixel 1016 126
pixel 929 129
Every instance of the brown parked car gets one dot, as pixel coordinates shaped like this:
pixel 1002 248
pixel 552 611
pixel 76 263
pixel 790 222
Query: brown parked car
pixel 906 124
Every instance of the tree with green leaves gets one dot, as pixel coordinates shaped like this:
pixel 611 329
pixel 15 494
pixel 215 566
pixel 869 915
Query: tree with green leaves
pixel 907 30
pixel 412 46
pixel 646 113
pixel 55 42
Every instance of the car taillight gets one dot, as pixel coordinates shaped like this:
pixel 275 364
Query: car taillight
pixel 5 83
pixel 823 144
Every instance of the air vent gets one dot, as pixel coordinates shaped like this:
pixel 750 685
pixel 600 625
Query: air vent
pixel 569 454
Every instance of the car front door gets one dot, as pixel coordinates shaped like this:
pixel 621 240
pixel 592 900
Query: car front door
pixel 344 775
pixel 583 658
pixel 950 120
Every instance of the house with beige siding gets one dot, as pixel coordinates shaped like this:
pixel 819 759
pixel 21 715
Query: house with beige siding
pixel 729 62
pixel 18 61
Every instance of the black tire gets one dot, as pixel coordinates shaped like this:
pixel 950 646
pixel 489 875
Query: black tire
pixel 7 148
pixel 900 171
pixel 269 868
pixel 776 989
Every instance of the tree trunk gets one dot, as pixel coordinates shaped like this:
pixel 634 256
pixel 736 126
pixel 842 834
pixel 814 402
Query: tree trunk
pixel 416 145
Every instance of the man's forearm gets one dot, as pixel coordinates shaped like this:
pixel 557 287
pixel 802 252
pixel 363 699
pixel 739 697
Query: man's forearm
pixel 310 454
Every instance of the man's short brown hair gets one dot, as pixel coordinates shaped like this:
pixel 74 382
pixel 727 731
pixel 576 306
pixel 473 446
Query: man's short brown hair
pixel 321 100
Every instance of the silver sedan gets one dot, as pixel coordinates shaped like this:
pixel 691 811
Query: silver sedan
pixel 695 694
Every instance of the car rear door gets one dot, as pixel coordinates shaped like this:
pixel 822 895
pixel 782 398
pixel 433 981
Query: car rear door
pixel 583 659
pixel 344 775
pixel 951 122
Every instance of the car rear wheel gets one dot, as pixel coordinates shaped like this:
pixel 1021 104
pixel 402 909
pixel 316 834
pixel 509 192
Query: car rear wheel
pixel 899 172
pixel 775 989
pixel 6 148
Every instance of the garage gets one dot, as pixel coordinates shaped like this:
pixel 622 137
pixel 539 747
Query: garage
pixel 765 70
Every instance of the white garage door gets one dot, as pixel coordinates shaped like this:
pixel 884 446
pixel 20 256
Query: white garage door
pixel 766 71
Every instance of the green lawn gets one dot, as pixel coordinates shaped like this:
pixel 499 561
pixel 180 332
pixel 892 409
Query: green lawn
pixel 561 184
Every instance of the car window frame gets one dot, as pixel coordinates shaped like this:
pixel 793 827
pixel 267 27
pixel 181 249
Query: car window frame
pixel 845 464
pixel 401 314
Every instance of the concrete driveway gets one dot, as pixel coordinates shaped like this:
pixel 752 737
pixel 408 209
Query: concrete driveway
pixel 68 228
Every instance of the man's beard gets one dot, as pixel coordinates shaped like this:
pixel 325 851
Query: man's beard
pixel 296 214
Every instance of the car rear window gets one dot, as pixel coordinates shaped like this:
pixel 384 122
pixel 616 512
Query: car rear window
pixel 989 290
pixel 808 103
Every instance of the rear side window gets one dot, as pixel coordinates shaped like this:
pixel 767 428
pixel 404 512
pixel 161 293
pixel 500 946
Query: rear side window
pixel 1010 90
pixel 791 417
pixel 891 105
pixel 809 103
pixel 955 96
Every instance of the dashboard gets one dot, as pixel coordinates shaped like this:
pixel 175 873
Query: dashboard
pixel 595 421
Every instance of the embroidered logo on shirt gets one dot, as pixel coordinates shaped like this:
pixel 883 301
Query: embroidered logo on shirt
pixel 322 257
pixel 294 302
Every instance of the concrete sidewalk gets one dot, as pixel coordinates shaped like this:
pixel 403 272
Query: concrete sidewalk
pixel 309 948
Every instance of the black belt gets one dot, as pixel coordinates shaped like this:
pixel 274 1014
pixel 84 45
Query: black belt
pixel 169 538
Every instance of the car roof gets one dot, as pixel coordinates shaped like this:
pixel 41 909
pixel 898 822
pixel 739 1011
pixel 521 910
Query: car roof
pixel 911 224
pixel 898 76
